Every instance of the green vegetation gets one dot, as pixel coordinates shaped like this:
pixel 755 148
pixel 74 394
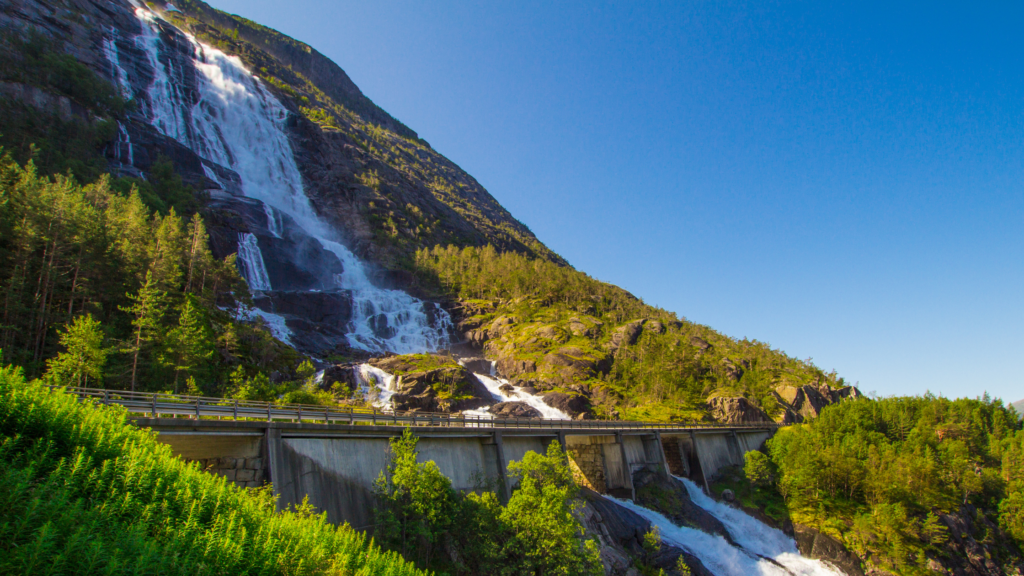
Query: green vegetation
pixel 96 286
pixel 85 492
pixel 667 373
pixel 878 474
pixel 420 515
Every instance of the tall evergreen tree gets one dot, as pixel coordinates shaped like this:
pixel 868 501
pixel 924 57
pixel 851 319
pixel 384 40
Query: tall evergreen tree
pixel 147 312
pixel 190 343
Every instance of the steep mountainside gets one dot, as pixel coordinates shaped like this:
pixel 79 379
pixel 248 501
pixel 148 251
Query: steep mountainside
pixel 1019 407
pixel 326 200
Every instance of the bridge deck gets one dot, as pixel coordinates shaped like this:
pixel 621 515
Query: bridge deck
pixel 223 414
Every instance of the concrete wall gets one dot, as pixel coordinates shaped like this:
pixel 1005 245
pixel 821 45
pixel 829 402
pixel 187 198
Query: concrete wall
pixel 716 451
pixel 237 458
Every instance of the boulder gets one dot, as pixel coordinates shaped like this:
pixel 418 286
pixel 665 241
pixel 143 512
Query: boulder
pixel 573 405
pixel 814 544
pixel 514 409
pixel 732 371
pixel 417 388
pixel 728 495
pixel 552 333
pixel 699 342
pixel 587 326
pixel 736 410
pixel 655 326
pixel 625 335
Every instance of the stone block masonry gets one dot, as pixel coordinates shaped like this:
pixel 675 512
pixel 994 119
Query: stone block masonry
pixel 245 472
pixel 587 464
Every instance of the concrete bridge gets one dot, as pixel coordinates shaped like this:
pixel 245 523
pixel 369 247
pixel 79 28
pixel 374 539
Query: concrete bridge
pixel 333 455
pixel 335 465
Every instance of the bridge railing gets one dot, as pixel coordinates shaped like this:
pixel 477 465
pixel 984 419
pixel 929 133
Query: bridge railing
pixel 156 405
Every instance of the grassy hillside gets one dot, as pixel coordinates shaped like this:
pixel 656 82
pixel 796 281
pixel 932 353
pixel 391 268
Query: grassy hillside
pixel 904 482
pixel 85 492
pixel 556 328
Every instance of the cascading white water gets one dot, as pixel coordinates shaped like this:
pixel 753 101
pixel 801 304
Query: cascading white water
pixel 755 536
pixel 375 385
pixel 237 123
pixel 277 325
pixel 273 221
pixel 252 262
pixel 755 541
pixel 493 384
pixel 715 552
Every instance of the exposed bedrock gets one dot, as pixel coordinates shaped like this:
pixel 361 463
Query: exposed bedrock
pixel 620 533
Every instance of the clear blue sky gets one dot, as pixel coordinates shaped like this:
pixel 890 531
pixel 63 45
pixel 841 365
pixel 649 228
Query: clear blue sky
pixel 844 182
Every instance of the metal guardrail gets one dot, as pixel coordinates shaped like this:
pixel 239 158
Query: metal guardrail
pixel 156 405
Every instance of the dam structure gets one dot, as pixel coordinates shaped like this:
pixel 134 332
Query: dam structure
pixel 333 456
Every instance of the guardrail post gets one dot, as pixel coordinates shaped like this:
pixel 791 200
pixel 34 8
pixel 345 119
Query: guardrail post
pixel 154 405
pixel 268 412
pixel 327 415
pixel 197 408
pixel 106 397
pixel 300 414
pixel 235 411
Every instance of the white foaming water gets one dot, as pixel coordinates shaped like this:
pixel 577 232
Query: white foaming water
pixel 494 384
pixel 114 57
pixel 273 220
pixel 252 263
pixel 239 124
pixel 372 380
pixel 756 537
pixel 276 323
pixel 715 552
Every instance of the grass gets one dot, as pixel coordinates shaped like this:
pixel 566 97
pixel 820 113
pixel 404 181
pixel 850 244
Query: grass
pixel 88 493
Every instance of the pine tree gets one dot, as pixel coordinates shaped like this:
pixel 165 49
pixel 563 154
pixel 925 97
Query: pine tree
pixel 191 344
pixel 84 354
pixel 147 311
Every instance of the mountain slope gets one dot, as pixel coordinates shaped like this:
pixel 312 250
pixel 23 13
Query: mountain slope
pixel 367 172
pixel 374 185
pixel 1019 407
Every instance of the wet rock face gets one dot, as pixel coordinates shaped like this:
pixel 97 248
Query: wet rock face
pixel 514 409
pixel 736 411
pixel 578 407
pixel 669 497
pixel 620 534
pixel 814 544
pixel 434 389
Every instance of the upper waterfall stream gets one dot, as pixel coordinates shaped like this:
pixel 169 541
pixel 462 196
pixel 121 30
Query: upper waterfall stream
pixel 232 120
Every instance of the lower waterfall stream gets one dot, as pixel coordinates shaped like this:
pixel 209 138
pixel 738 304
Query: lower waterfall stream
pixel 760 549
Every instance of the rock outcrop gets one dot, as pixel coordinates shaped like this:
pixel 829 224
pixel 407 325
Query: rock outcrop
pixel 514 409
pixel 736 410
pixel 806 402
pixel 434 385
pixel 620 533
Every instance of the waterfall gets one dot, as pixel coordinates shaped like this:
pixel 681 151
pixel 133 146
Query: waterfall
pixel 494 384
pixel 232 119
pixel 276 323
pixel 273 221
pixel 252 263
pixel 760 549
pixel 375 385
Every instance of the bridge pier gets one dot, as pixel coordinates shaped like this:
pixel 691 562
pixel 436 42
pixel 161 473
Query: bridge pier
pixel 335 465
